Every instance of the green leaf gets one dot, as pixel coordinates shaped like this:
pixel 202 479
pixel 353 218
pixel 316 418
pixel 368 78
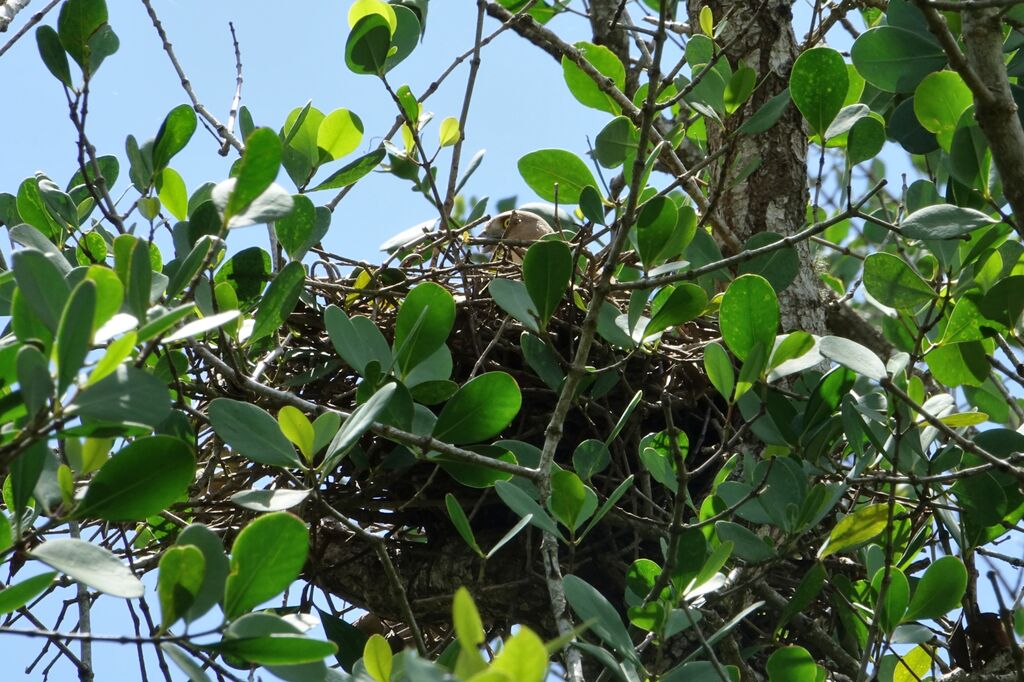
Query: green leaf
pixel 424 321
pixel 523 658
pixel 172 192
pixel 591 457
pixel 892 282
pixel 14 597
pixel 514 298
pixel 78 22
pixel 357 340
pixel 145 477
pixel 90 565
pixel 654 227
pixel 175 132
pixel 913 665
pixel 449 133
pixel 185 662
pixel 818 85
pixel 53 54
pixel 461 522
pixel 273 650
pixel 851 354
pixel 891 607
pixel 746 544
pixel 677 305
pixel 570 499
pixel 354 171
pixel 779 267
pixel 33 210
pixel 591 605
pixel 943 221
pixel 34 378
pixel 939 101
pixel 358 423
pixel 616 142
pixel 894 59
pixel 366 48
pixel 297 428
pixel 479 410
pixel 74 334
pixel 719 369
pixel 260 164
pixel 181 576
pixel 583 87
pixel 542 360
pixel 252 432
pixel 806 592
pixel 469 629
pixel 269 500
pixel 939 590
pixel 126 396
pixel 791 664
pixel 525 506
pixel 42 285
pixel 749 314
pixel 267 557
pixel 856 528
pixel 340 133
pixel 548 169
pixel 768 115
pixel 215 568
pixel 547 269
pixel 865 140
pixel 279 300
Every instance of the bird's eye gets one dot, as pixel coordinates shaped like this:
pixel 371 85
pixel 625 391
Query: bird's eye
pixel 507 222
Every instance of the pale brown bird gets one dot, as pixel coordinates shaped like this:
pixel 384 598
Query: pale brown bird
pixel 515 227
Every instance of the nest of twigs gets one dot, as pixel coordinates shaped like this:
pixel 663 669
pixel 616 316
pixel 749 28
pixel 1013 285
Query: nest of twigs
pixel 399 495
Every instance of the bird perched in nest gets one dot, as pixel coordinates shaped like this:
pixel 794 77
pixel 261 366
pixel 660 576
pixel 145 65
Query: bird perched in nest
pixel 515 227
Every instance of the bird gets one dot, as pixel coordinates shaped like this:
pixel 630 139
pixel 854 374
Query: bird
pixel 515 227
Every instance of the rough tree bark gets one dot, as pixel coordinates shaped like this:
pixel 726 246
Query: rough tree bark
pixel 759 34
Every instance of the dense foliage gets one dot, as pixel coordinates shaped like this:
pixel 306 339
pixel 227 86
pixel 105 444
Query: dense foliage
pixel 723 423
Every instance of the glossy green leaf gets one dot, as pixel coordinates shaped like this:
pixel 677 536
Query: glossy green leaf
pixel 15 596
pixel 865 140
pixel 681 303
pixel 939 101
pixel 42 285
pixel 853 355
pixel 893 603
pixel 143 478
pixel 584 88
pixel 366 48
pixel 892 282
pixel 181 576
pixel 818 84
pixel 590 457
pixel 894 59
pixel 279 300
pixel 424 321
pixel 589 604
pixel 340 133
pixel 267 557
pixel 479 410
pixel 252 432
pixel 274 650
pixel 448 132
pixel 943 221
pixel 90 565
pixel 357 340
pixel 569 499
pixel 175 132
pixel 53 54
pixel 719 369
pixel 791 664
pixel 74 333
pixel 939 590
pixel 469 629
pixel 461 522
pixel 523 658
pixel 525 506
pixel 547 269
pixel 358 423
pixel 768 115
pixel 780 267
pixel 353 172
pixel 377 658
pixel 126 396
pixel 297 428
pixel 514 298
pixel 556 175
pixel 749 314
pixel 746 544
pixel 172 192
pixel 260 164
pixel 34 378
pixel 856 528
pixel 77 23
pixel 215 568
pixel 617 142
